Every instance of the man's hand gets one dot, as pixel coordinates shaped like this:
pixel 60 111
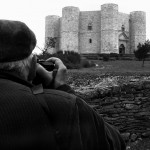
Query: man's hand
pixel 47 76
pixel 60 77
pixel 43 76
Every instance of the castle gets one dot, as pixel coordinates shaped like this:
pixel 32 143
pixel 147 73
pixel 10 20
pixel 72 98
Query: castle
pixel 103 31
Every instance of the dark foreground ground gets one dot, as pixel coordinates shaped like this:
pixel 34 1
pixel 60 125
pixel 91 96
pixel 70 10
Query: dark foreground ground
pixel 141 144
pixel 115 71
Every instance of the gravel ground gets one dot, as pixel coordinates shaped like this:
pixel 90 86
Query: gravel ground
pixel 141 144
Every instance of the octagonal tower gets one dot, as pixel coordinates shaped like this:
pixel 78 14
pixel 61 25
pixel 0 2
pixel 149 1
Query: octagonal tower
pixel 109 28
pixel 52 25
pixel 69 29
pixel 137 29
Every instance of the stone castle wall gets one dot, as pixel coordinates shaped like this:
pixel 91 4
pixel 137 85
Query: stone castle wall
pixel 109 28
pixel 69 29
pixel 52 29
pixel 123 19
pixel 106 35
pixel 137 28
pixel 85 35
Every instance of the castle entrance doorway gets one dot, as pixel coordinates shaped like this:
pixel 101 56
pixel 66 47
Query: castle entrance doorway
pixel 121 49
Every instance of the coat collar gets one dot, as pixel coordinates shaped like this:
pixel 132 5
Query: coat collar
pixel 14 77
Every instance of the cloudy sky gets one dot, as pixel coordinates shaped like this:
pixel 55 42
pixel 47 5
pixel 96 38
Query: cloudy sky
pixel 33 12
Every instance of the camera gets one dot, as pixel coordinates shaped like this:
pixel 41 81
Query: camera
pixel 49 66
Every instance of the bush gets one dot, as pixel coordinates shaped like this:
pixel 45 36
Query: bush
pixel 87 64
pixel 115 55
pixel 73 66
pixel 92 64
pixel 105 57
pixel 70 58
pixel 73 57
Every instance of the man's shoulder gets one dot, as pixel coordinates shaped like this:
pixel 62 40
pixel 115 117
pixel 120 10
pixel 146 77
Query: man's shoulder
pixel 53 96
pixel 59 94
pixel 59 102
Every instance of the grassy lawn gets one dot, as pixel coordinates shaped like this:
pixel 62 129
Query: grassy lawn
pixel 122 69
pixel 123 66
pixel 118 66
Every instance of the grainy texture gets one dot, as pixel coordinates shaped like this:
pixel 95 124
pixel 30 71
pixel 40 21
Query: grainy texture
pixel 114 92
pixel 109 30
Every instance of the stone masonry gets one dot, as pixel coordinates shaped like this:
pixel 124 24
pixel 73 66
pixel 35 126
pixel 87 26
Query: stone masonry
pixel 126 107
pixel 102 31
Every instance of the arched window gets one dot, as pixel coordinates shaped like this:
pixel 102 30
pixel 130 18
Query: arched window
pixel 90 26
pixel 123 28
pixel 90 40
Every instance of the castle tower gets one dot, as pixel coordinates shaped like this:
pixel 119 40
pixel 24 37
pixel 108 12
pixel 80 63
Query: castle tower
pixel 69 29
pixel 52 25
pixel 109 28
pixel 137 29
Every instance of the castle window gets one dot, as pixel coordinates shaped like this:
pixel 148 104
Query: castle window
pixel 90 26
pixel 90 40
pixel 123 28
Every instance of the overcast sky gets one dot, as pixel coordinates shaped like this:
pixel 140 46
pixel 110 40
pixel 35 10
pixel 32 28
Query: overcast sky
pixel 33 12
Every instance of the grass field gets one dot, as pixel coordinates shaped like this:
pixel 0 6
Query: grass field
pixel 118 66
pixel 124 66
pixel 123 70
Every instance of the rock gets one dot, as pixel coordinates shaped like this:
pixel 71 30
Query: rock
pixel 117 105
pixel 125 136
pixel 146 134
pixel 131 106
pixel 94 106
pixel 146 84
pixel 133 137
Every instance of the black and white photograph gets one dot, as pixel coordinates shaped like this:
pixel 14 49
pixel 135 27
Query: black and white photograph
pixel 75 75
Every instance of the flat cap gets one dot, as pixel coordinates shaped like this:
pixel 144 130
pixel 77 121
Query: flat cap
pixel 17 41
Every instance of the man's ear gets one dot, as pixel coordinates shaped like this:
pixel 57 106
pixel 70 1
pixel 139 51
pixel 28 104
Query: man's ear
pixel 32 69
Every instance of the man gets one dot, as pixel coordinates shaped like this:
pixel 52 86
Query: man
pixel 35 117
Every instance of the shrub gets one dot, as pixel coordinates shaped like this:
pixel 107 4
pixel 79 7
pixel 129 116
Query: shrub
pixel 92 64
pixel 70 58
pixel 73 66
pixel 115 55
pixel 73 57
pixel 85 63
pixel 105 57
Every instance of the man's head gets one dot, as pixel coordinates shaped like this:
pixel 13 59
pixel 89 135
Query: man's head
pixel 17 42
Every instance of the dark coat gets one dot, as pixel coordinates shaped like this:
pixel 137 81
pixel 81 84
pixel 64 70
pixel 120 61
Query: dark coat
pixel 33 117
